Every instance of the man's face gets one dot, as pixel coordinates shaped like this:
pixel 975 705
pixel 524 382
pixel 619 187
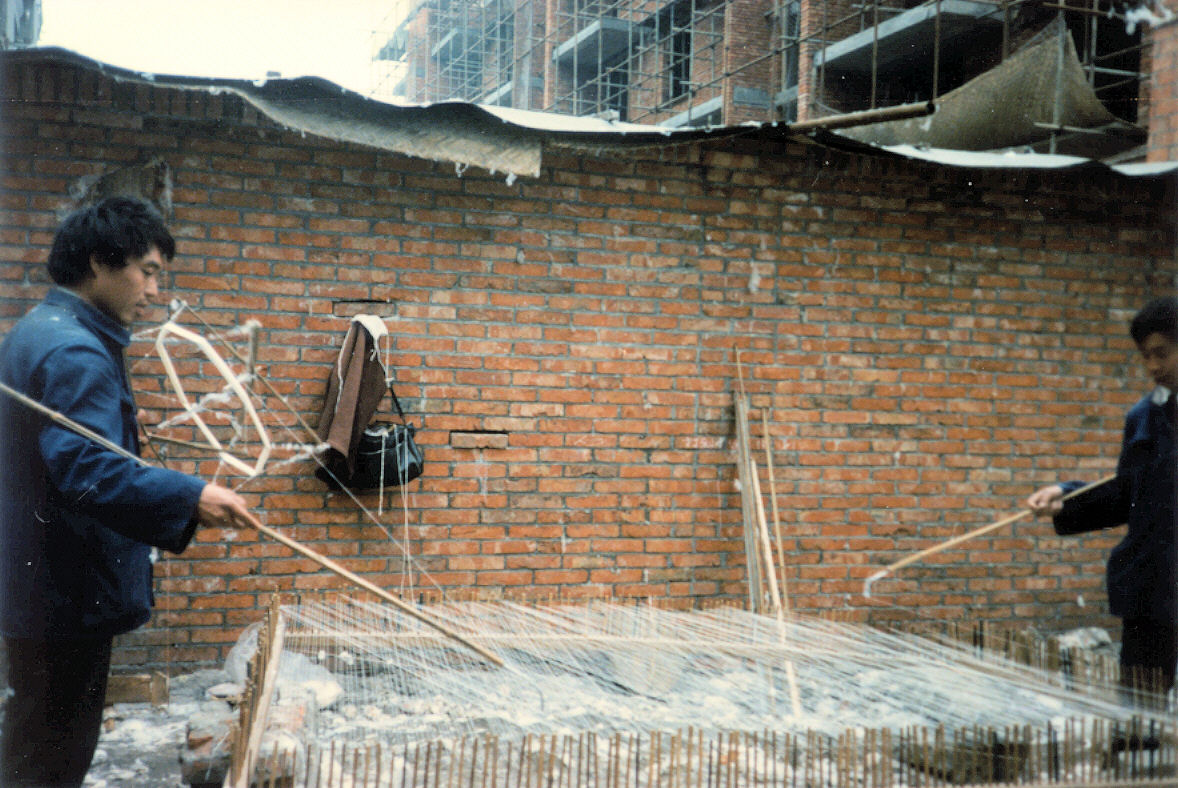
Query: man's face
pixel 1160 355
pixel 123 293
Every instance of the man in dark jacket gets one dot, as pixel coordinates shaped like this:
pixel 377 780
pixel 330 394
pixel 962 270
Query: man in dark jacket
pixel 78 519
pixel 1143 569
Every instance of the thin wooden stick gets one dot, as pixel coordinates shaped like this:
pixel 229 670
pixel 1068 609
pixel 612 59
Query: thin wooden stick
pixel 762 536
pixel 985 529
pixel 776 512
pixel 251 362
pixel 323 561
pixel 745 474
pixel 367 585
pixel 155 436
pixel 746 471
pixel 69 423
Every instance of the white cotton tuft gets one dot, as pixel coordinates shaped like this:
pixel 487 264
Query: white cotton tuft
pixel 1144 14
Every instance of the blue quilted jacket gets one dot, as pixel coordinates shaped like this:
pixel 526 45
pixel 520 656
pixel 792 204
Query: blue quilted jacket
pixel 77 521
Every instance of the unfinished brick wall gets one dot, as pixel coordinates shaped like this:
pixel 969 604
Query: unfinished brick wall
pixel 828 20
pixel 929 345
pixel 750 33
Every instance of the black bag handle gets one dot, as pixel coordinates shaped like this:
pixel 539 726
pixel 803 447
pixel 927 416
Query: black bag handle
pixel 396 401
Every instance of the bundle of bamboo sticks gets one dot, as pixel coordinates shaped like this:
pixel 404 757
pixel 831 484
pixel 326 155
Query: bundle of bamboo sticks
pixel 768 591
pixel 767 582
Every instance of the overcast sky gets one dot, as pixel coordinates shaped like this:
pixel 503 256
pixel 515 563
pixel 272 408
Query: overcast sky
pixel 225 38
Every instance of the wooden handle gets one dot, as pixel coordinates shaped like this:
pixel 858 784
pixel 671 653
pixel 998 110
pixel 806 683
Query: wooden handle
pixel 355 579
pixel 956 540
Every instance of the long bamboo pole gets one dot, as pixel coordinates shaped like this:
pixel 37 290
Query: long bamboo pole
pixel 367 585
pixel 759 528
pixel 70 424
pixel 747 504
pixel 985 529
pixel 776 511
pixel 782 594
pixel 307 552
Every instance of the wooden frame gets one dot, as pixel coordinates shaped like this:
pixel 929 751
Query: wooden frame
pixel 172 329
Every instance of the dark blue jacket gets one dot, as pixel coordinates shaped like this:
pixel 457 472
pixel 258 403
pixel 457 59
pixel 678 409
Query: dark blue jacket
pixel 77 520
pixel 1143 568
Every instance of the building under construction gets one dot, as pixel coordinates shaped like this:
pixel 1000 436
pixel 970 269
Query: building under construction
pixel 1072 69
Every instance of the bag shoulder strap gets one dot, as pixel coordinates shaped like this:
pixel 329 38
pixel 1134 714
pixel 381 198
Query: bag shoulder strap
pixel 396 402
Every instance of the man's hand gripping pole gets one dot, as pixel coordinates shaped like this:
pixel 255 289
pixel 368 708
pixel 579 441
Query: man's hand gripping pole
pixel 985 529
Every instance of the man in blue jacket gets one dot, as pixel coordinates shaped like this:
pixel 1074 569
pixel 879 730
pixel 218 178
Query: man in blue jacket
pixel 78 520
pixel 1143 569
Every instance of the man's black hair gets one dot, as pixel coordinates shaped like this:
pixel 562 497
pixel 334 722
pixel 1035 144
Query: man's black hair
pixel 111 231
pixel 1159 316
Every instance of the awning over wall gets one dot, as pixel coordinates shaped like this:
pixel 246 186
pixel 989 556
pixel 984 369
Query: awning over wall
pixel 1014 104
pixel 494 138
pixel 512 141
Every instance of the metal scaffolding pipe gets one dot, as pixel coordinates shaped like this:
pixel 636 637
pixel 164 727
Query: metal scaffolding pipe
pixel 899 112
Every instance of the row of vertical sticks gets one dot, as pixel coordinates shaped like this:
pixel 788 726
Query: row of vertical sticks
pixel 1093 753
pixel 1070 666
pixel 245 738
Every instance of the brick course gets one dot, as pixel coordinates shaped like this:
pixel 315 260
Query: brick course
pixel 929 345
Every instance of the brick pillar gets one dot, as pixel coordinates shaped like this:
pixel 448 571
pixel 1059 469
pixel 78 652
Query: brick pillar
pixel 823 21
pixel 1163 91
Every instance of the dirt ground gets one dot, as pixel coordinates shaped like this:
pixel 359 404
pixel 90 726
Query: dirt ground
pixel 140 744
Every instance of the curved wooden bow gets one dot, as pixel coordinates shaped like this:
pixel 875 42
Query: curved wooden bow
pixel 170 328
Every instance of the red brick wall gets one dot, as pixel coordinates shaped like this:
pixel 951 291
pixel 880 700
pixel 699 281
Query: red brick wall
pixel 930 345
pixel 1163 90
